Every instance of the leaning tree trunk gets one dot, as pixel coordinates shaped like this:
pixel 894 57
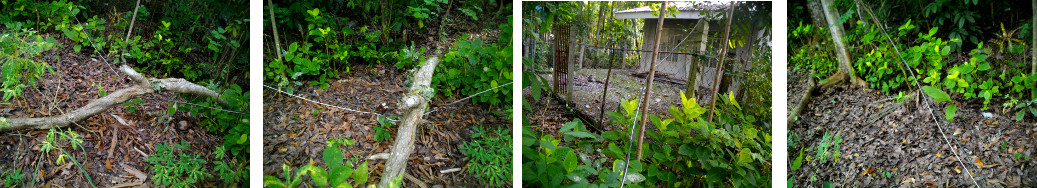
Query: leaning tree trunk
pixel 143 86
pixel 413 105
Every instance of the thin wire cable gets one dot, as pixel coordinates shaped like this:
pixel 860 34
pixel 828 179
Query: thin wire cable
pixel 466 98
pixel 927 104
pixel 333 106
pixel 637 111
pixel 92 43
pixel 198 105
pixel 328 98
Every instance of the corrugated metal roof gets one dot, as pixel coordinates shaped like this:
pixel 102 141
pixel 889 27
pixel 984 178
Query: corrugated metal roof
pixel 683 6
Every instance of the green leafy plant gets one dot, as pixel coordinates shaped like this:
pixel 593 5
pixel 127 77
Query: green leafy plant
pixel 471 67
pixel 1026 106
pixel 382 130
pixel 940 96
pixel 173 167
pixel 490 155
pixel 231 172
pixel 336 174
pixel 20 69
pixel 131 106
pixel 798 162
pixel 829 147
pixel 11 177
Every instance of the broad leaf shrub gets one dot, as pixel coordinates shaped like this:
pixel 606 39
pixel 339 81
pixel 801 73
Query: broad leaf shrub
pixel 471 67
pixel 991 80
pixel 18 51
pixel 734 151
pixel 174 167
pixel 336 174
pixel 490 155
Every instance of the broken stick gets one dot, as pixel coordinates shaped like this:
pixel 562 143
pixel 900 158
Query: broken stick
pixel 413 104
pixel 143 86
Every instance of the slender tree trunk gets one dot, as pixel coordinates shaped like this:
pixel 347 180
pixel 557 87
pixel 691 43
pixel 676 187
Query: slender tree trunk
pixel 273 23
pixel 646 101
pixel 1033 53
pixel 845 72
pixel 720 65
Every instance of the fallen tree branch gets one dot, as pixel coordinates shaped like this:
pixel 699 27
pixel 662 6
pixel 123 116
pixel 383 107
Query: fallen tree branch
pixel 143 86
pixel 413 104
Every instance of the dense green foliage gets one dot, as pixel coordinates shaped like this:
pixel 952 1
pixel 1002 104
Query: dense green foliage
pixel 337 173
pixel 730 152
pixel 18 51
pixel 471 67
pixel 490 155
pixel 201 41
pixel 11 177
pixel 987 75
pixel 175 168
pixel 336 36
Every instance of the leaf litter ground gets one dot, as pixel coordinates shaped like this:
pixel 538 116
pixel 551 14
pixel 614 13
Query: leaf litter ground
pixel 906 142
pixel 295 130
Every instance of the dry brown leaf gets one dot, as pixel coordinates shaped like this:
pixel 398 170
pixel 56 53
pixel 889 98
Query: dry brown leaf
pixel 909 180
pixel 978 162
pixel 868 171
pixel 957 169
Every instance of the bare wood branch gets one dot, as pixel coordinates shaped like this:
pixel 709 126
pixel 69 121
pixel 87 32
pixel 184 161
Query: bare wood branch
pixel 413 105
pixel 96 106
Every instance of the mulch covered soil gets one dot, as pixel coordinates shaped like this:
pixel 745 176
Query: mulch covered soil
pixel 295 131
pixel 113 152
pixel 906 142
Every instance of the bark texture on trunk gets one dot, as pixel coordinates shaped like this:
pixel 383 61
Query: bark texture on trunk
pixel 413 105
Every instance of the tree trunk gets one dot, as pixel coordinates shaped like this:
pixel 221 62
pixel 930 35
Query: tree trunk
pixel 413 106
pixel 845 72
pixel 1033 53
pixel 816 13
pixel 646 101
pixel 143 86
pixel 720 65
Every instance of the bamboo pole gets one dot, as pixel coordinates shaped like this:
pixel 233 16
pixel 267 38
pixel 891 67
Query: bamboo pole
pixel 720 66
pixel 651 76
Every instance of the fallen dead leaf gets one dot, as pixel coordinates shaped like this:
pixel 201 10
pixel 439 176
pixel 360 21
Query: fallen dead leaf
pixel 867 171
pixel 980 163
pixel 136 173
pixel 909 180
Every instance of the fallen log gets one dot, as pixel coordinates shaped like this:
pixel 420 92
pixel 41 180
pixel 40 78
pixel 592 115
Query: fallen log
pixel 96 106
pixel 413 104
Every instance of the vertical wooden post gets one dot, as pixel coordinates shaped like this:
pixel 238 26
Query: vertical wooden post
pixel 646 101
pixel 723 55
